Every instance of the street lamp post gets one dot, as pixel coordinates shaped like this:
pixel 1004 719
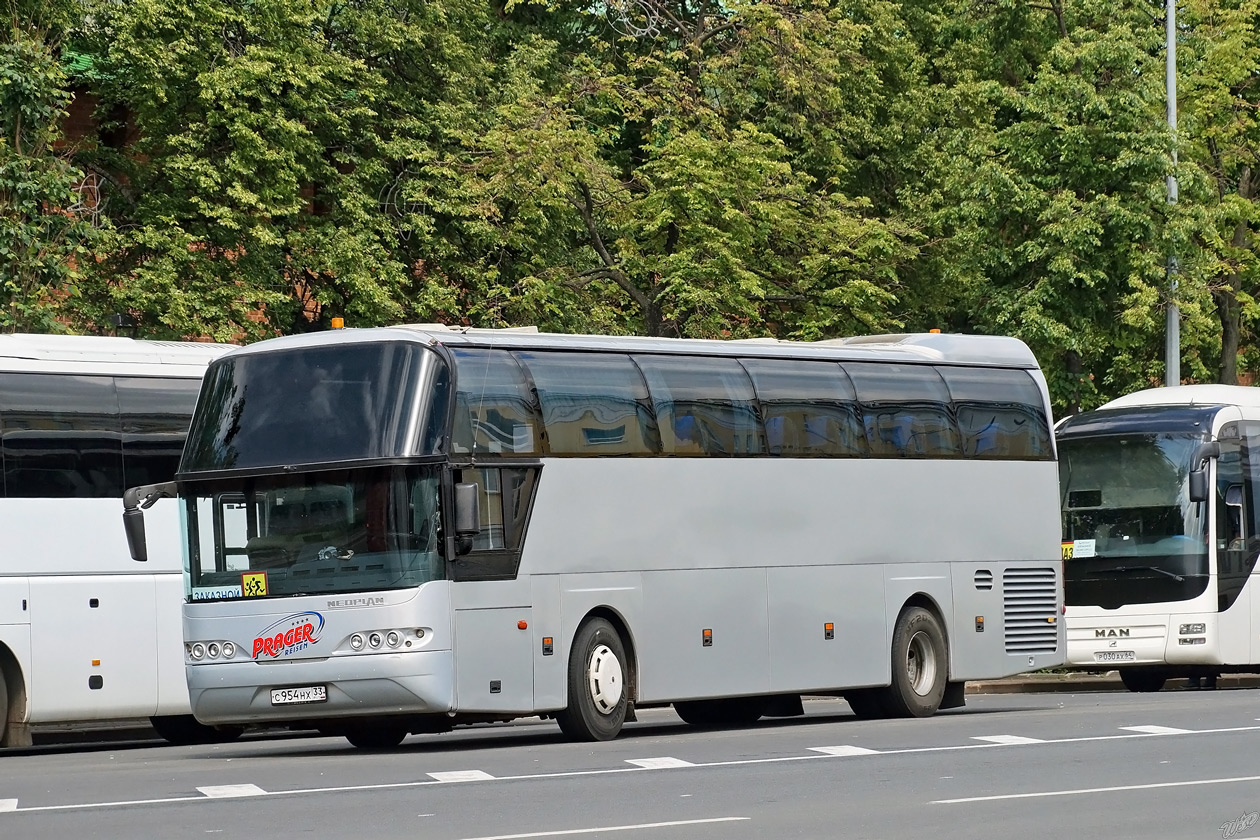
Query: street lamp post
pixel 1172 332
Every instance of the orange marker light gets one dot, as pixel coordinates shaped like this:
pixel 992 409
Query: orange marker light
pixel 338 323
pixel 933 331
pixel 521 625
pixel 96 663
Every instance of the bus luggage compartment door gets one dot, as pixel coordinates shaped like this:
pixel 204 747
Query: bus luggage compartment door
pixel 495 670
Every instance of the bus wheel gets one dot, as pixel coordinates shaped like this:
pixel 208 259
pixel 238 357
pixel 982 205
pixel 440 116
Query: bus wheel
pixel 919 666
pixel 1141 680
pixel 597 690
pixel 369 737
pixel 728 711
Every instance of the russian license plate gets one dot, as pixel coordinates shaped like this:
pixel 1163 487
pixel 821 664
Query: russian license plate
pixel 1115 656
pixel 305 694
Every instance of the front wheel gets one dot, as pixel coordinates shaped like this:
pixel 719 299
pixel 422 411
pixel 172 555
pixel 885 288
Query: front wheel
pixel 920 666
pixel 597 690
pixel 1142 681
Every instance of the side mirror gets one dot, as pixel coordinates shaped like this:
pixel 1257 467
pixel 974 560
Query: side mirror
pixel 135 500
pixel 467 516
pixel 1198 469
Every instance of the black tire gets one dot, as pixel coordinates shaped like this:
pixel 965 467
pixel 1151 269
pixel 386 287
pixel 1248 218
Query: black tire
pixel 367 737
pixel 4 707
pixel 920 666
pixel 183 730
pixel 728 711
pixel 1141 681
pixel 866 703
pixel 598 695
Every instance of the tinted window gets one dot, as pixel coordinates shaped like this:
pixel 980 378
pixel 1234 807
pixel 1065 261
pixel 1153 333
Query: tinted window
pixel 307 405
pixel 810 408
pixel 593 404
pixel 155 417
pixel 494 409
pixel 905 409
pixel 1000 413
pixel 61 436
pixel 704 406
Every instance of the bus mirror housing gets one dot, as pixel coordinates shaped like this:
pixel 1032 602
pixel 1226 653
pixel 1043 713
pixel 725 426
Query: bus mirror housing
pixel 467 516
pixel 135 500
pixel 1198 469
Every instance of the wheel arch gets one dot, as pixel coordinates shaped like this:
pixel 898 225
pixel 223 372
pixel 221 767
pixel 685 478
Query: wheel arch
pixel 15 684
pixel 619 623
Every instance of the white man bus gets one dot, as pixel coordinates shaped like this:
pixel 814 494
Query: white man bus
pixel 1161 530
pixel 399 530
pixel 87 637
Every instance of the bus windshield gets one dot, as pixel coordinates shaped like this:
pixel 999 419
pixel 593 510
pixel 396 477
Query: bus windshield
pixel 1136 536
pixel 328 532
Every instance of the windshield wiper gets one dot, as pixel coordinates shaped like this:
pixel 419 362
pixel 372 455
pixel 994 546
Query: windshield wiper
pixel 1127 569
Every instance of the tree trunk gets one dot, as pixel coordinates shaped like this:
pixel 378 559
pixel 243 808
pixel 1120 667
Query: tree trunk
pixel 1226 297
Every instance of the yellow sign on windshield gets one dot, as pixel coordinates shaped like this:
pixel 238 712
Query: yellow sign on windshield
pixel 254 584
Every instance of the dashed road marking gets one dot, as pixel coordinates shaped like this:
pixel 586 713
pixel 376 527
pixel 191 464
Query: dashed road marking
pixel 661 763
pixel 845 749
pixel 8 804
pixel 610 828
pixel 229 791
pixel 461 776
pixel 1007 739
pixel 1157 730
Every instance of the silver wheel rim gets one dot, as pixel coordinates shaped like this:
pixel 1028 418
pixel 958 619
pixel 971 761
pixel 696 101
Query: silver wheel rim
pixel 604 678
pixel 921 664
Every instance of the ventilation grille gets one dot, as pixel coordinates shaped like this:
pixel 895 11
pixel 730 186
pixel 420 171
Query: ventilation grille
pixel 984 579
pixel 1030 611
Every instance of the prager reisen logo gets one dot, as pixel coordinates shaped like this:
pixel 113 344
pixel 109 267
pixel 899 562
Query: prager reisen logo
pixel 288 635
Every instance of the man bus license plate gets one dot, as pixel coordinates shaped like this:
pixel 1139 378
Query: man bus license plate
pixel 1106 656
pixel 305 694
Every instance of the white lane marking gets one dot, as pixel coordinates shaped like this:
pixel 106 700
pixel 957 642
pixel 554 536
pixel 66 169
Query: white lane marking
pixel 8 804
pixel 844 750
pixel 1007 739
pixel 461 776
pixel 1157 730
pixel 229 791
pixel 607 771
pixel 659 763
pixel 610 828
pixel 1081 791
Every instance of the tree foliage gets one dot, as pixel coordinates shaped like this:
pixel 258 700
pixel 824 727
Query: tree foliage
pixel 797 168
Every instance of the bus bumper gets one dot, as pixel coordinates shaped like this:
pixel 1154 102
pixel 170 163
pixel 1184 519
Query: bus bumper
pixel 1103 643
pixel 413 683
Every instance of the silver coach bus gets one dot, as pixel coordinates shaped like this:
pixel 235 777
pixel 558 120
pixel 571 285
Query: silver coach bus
pixel 399 530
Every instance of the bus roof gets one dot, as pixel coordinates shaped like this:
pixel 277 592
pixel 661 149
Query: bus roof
pixel 107 349
pixel 1188 395
pixel 993 351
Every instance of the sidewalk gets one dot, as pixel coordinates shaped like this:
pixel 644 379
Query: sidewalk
pixel 1085 681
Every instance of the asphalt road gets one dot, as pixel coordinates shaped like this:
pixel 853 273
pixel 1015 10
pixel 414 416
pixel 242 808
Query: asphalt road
pixel 1169 765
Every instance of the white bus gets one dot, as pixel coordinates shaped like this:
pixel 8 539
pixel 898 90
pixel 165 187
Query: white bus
pixel 86 635
pixel 399 530
pixel 1161 530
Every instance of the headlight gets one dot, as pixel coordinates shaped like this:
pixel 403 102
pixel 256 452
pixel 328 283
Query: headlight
pixel 212 650
pixel 356 641
pixel 393 639
pixel 1191 629
pixel 374 640
pixel 198 650
pixel 229 650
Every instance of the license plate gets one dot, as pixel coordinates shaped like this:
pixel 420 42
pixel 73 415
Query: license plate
pixel 305 694
pixel 1115 656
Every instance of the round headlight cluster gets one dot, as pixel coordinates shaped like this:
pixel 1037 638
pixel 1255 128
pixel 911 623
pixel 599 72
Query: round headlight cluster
pixel 198 651
pixel 379 639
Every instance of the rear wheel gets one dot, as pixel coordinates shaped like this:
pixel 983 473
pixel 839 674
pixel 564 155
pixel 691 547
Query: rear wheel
pixel 920 665
pixel 597 691
pixel 1142 681
pixel 4 707
pixel 367 737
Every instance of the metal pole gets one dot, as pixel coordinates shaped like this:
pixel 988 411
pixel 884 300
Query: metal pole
pixel 1172 332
